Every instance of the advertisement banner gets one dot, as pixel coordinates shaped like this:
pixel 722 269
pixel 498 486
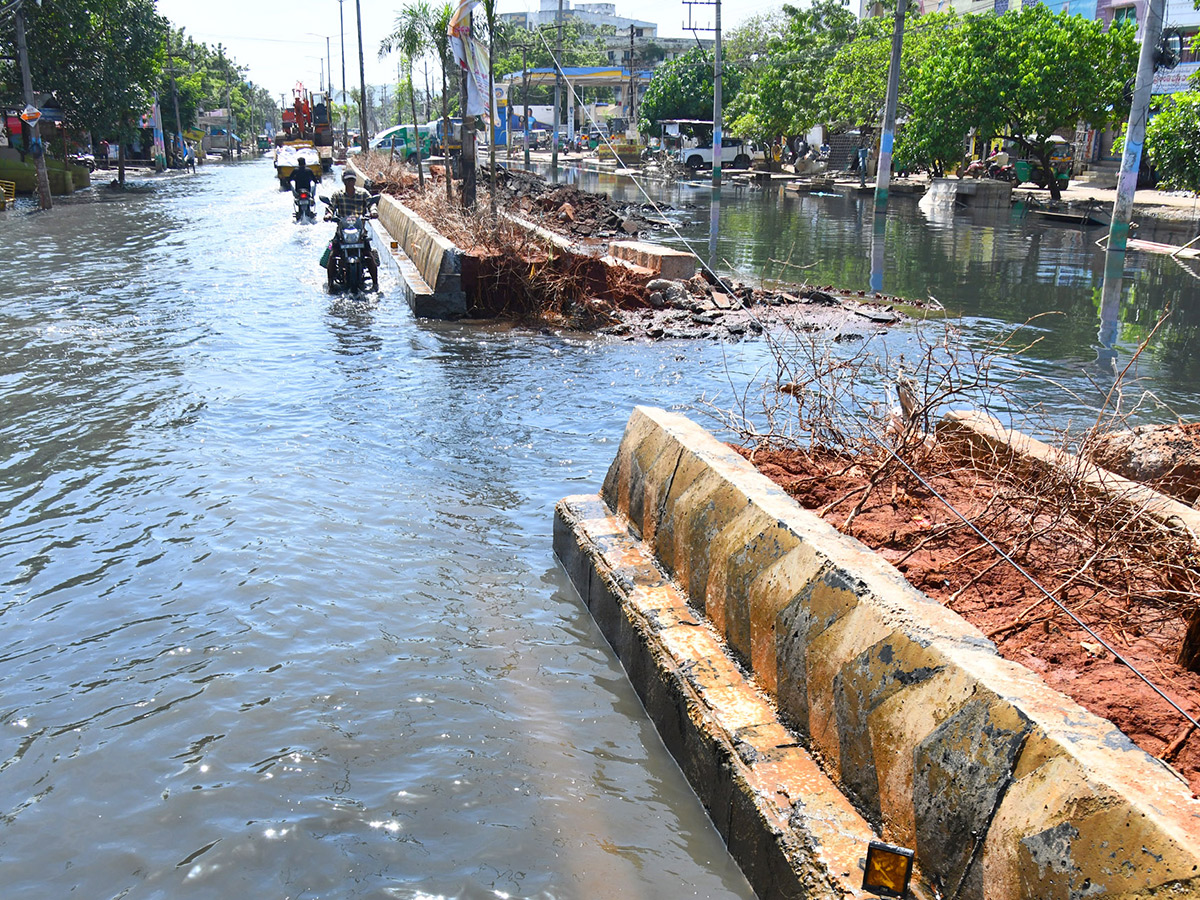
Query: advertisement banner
pixel 471 56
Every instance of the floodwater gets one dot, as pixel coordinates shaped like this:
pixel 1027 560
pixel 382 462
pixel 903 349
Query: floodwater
pixel 279 615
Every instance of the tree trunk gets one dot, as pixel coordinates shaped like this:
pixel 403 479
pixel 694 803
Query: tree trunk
pixel 446 135
pixel 121 163
pixel 1189 651
pixel 493 106
pixel 1051 177
pixel 412 101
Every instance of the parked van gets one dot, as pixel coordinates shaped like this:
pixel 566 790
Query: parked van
pixel 735 153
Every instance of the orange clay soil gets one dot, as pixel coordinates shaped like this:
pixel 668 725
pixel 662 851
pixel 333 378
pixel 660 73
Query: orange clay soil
pixel 1026 627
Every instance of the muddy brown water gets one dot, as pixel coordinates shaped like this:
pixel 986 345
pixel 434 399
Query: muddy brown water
pixel 280 613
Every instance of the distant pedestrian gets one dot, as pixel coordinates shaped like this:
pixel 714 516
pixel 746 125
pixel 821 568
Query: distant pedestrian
pixel 862 165
pixel 104 153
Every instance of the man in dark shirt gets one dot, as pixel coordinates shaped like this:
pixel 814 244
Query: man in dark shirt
pixel 351 202
pixel 302 176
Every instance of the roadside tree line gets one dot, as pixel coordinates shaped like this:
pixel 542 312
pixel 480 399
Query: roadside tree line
pixel 1024 76
pixel 105 60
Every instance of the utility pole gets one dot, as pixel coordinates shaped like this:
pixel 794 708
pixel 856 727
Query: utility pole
pixel 362 83
pixel 717 124
pixel 883 176
pixel 631 90
pixel 557 88
pixel 1135 135
pixel 345 118
pixel 35 141
pixel 525 99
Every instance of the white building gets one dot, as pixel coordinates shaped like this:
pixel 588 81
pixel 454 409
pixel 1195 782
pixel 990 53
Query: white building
pixel 585 14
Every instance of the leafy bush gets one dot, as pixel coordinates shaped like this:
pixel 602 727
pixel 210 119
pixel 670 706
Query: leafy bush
pixel 1173 141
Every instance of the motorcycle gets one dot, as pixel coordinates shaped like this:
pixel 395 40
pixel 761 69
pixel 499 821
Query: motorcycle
pixel 304 205
pixel 345 259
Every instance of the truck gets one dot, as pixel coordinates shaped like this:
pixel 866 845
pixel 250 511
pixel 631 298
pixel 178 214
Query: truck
pixel 309 119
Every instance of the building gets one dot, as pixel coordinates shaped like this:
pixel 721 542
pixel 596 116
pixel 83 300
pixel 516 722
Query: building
pixel 591 17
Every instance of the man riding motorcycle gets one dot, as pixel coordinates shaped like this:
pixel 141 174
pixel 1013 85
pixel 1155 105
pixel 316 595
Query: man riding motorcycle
pixel 351 202
pixel 302 179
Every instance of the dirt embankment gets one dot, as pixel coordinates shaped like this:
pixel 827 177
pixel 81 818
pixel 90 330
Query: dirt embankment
pixel 1083 561
pixel 516 276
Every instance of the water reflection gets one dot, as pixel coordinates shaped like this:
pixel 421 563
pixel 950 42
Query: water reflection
pixel 1110 302
pixel 878 246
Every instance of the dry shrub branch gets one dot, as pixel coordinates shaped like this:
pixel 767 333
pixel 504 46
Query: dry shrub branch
pixel 853 436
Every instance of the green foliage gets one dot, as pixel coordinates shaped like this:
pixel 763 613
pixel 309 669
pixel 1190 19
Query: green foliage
pixel 101 59
pixel 1025 75
pixel 1173 141
pixel 683 89
pixel 855 86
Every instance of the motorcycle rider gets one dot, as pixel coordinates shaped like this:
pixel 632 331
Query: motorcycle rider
pixel 351 202
pixel 302 177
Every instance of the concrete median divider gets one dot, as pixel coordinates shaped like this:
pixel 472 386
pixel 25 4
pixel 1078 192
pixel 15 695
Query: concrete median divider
pixel 925 736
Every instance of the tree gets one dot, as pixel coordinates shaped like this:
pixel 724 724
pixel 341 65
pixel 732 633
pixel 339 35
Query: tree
pixel 1026 76
pixel 855 85
pixel 683 89
pixel 411 38
pixel 102 61
pixel 1173 141
pixel 786 73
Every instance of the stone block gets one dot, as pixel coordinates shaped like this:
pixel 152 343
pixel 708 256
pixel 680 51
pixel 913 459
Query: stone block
pixel 663 261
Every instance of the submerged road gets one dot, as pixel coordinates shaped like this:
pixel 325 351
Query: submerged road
pixel 279 612
pixel 279 615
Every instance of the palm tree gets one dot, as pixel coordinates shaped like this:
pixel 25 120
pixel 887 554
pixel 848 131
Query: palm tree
pixel 411 39
pixel 439 39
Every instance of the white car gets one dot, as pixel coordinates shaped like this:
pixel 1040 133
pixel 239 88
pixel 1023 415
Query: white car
pixel 734 153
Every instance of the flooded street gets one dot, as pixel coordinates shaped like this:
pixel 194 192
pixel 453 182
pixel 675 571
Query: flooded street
pixel 280 616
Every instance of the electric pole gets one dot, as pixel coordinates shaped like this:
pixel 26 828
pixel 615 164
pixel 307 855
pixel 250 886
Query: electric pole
pixel 35 141
pixel 362 83
pixel 1135 135
pixel 717 112
pixel 525 99
pixel 883 176
pixel 345 125
pixel 557 88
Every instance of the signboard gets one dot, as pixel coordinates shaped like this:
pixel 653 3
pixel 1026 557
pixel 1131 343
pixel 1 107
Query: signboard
pixel 1170 81
pixel 30 115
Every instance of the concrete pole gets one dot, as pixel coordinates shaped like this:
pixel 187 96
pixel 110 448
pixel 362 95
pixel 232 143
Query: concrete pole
pixel 717 124
pixel 362 83
pixel 557 89
pixel 39 152
pixel 525 100
pixel 345 118
pixel 1135 135
pixel 884 175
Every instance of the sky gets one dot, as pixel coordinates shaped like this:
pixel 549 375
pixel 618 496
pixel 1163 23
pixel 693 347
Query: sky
pixel 283 43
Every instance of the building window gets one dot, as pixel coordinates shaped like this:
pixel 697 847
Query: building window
pixel 1123 13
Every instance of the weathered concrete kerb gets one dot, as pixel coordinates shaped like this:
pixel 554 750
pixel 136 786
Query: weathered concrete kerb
pixel 1005 788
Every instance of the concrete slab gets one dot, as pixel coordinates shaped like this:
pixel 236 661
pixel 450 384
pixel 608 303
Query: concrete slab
pixel 1004 787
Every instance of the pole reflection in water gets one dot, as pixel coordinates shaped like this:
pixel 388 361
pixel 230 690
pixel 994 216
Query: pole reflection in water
pixel 714 226
pixel 1110 304
pixel 877 247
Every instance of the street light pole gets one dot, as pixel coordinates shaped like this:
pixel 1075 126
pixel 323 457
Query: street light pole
pixel 35 141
